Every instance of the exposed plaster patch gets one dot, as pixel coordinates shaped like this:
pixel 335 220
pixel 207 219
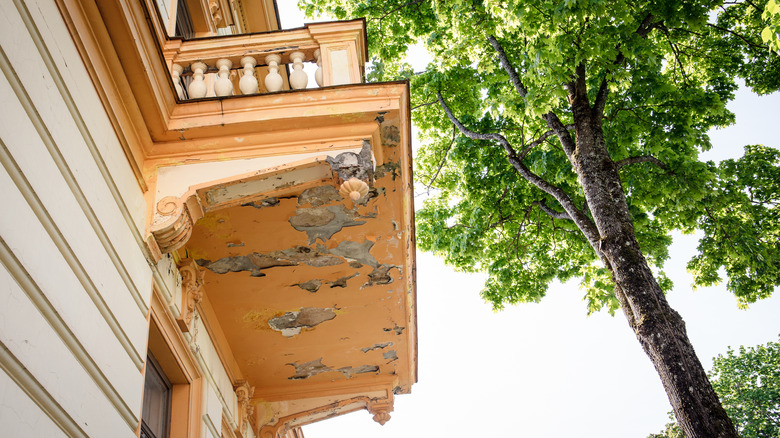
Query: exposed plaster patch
pixel 235 244
pixel 390 355
pixel 314 367
pixel 311 285
pixel 291 323
pixel 267 202
pixel 380 275
pixel 355 264
pixel 317 196
pixel 390 167
pixel 351 165
pixel 349 371
pixel 391 135
pixel 342 282
pixel 398 330
pixel 306 255
pixel 256 262
pixel 381 346
pixel 324 222
pixel 359 252
pixel 308 369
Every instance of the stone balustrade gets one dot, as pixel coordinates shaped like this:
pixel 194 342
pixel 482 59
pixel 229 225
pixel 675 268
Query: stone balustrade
pixel 266 63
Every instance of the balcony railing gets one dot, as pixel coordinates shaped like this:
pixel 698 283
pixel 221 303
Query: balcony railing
pixel 267 62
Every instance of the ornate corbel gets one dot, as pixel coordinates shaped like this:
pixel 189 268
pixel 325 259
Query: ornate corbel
pixel 244 394
pixel 191 291
pixel 174 221
pixel 381 410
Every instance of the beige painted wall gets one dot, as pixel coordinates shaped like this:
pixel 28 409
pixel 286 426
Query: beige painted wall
pixel 75 283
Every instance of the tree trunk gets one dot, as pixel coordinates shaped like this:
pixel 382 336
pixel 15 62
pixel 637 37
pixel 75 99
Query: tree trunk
pixel 659 329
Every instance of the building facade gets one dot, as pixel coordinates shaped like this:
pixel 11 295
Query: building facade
pixel 198 238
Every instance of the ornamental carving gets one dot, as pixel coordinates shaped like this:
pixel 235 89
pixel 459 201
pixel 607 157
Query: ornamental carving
pixel 191 292
pixel 174 221
pixel 244 394
pixel 381 410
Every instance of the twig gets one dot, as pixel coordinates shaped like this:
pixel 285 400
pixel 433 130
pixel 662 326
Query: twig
pixel 443 160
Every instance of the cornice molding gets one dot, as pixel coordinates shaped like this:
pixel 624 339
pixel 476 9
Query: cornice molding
pixel 175 216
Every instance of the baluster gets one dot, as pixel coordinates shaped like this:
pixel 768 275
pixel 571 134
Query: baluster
pixel 248 83
pixel 273 80
pixel 318 73
pixel 298 78
pixel 197 88
pixel 223 86
pixel 176 71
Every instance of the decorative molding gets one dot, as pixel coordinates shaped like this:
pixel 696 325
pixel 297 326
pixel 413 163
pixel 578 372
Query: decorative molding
pixel 381 410
pixel 176 217
pixel 380 407
pixel 179 216
pixel 354 189
pixel 244 394
pixel 191 292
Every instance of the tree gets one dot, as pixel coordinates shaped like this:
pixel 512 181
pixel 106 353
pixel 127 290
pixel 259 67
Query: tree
pixel 562 141
pixel 748 384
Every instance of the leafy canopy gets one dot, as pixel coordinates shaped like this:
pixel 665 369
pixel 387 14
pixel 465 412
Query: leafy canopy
pixel 748 384
pixel 667 87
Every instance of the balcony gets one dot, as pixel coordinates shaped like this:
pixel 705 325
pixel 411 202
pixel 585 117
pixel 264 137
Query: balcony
pixel 300 292
pixel 240 65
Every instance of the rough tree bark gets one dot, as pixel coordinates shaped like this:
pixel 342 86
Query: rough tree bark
pixel 659 328
pixel 610 231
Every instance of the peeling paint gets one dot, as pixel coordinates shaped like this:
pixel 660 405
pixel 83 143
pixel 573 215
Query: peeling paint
pixel 311 285
pixel 391 135
pixel 323 222
pixel 359 252
pixel 390 355
pixel 291 323
pixel 342 282
pixel 351 165
pixel 381 346
pixel 398 330
pixel 256 262
pixel 380 275
pixel 390 167
pixel 267 202
pixel 314 367
pixel 317 196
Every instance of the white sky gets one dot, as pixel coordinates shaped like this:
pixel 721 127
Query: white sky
pixel 548 370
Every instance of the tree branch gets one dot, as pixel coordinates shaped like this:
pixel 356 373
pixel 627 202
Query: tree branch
pixel 550 212
pixel 640 159
pixel 513 76
pixel 747 41
pixel 410 2
pixel 424 104
pixel 584 223
pixel 562 131
pixel 539 141
pixel 443 159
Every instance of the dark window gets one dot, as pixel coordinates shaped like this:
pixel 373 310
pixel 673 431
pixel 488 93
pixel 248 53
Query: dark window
pixel 156 413
pixel 183 20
